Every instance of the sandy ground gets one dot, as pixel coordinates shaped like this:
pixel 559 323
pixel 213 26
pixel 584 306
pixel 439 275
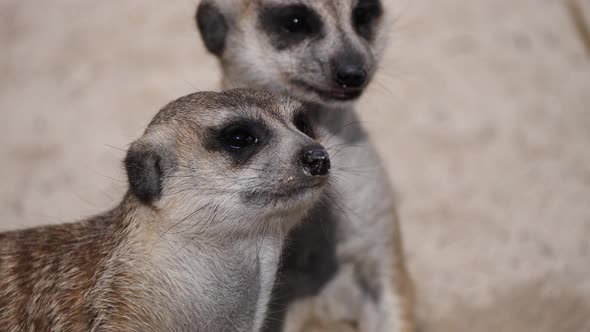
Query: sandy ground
pixel 481 111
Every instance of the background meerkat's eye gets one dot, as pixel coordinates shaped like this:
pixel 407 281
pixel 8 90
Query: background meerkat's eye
pixel 238 137
pixel 298 19
pixel 296 24
pixel 290 24
pixel 303 124
pixel 364 15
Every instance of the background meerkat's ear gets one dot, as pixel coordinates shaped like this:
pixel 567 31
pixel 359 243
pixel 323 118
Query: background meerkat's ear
pixel 145 169
pixel 212 20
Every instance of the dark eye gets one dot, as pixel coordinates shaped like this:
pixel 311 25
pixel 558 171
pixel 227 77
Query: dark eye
pixel 238 138
pixel 303 125
pixel 295 24
pixel 288 25
pixel 364 15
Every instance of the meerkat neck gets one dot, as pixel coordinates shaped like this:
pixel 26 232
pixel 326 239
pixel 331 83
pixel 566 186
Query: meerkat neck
pixel 209 225
pixel 342 123
pixel 184 259
pixel 239 265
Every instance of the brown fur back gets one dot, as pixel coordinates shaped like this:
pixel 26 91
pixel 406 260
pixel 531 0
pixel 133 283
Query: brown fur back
pixel 49 275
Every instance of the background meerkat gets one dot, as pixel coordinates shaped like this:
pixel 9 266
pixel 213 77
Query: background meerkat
pixel 215 183
pixel 325 52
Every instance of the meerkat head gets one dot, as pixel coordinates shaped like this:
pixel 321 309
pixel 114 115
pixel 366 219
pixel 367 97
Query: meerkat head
pixel 240 154
pixel 319 50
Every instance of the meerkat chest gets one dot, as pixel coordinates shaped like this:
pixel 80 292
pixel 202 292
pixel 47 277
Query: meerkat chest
pixel 223 288
pixel 365 201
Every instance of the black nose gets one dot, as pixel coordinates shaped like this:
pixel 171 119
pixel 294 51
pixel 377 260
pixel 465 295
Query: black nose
pixel 315 161
pixel 350 75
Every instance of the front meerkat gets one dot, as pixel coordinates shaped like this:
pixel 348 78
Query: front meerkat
pixel 215 183
pixel 324 52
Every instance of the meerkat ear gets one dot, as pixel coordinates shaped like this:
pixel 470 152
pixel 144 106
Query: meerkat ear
pixel 145 171
pixel 213 25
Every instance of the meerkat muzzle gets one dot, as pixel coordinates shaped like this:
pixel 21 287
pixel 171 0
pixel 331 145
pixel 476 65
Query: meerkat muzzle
pixel 315 161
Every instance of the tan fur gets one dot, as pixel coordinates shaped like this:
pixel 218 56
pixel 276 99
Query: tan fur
pixel 63 278
pixel 194 259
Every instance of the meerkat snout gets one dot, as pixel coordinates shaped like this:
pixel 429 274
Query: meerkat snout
pixel 315 161
pixel 348 70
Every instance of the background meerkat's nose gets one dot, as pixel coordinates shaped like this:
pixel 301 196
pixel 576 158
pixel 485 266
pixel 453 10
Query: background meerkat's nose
pixel 349 75
pixel 315 160
pixel 348 70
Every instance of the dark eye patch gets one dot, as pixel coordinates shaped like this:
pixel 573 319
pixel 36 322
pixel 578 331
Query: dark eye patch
pixel 240 139
pixel 289 25
pixel 303 124
pixel 364 17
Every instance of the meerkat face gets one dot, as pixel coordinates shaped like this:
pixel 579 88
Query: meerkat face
pixel 319 50
pixel 239 153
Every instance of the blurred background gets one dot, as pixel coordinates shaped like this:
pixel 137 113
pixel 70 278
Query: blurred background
pixel 481 111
